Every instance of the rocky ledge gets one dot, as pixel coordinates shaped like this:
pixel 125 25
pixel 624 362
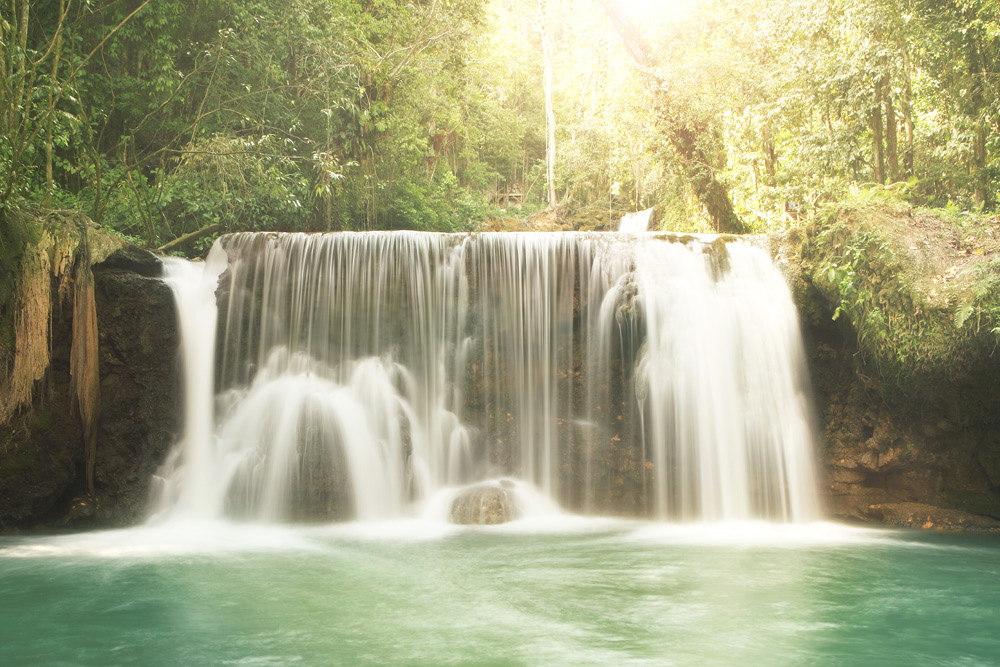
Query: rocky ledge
pixel 88 385
pixel 901 314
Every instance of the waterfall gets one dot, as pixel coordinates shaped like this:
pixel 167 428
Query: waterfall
pixel 193 285
pixel 635 223
pixel 355 374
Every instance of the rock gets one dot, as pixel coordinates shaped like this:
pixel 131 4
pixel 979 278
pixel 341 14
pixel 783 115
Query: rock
pixel 869 458
pixel 927 517
pixel 140 389
pixel 485 505
pixel 906 395
pixel 133 260
pixel 49 418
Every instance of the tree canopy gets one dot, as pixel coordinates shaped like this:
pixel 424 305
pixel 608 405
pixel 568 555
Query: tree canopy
pixel 162 118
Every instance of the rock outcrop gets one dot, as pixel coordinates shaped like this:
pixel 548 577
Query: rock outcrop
pixel 88 383
pixel 485 505
pixel 900 312
pixel 140 384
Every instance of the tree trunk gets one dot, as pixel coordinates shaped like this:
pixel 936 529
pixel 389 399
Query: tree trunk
pixel 976 105
pixel 981 193
pixel 682 136
pixel 710 192
pixel 550 117
pixel 907 116
pixel 891 139
pixel 6 65
pixel 182 241
pixel 767 148
pixel 49 185
pixel 878 150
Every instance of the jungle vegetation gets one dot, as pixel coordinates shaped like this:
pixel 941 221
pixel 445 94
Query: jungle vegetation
pixel 162 118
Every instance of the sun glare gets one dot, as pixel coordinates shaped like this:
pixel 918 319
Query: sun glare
pixel 644 10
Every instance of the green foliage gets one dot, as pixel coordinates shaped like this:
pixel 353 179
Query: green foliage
pixel 913 325
pixel 160 117
pixel 982 311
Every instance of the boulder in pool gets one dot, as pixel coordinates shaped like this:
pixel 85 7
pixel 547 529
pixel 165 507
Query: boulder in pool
pixel 485 505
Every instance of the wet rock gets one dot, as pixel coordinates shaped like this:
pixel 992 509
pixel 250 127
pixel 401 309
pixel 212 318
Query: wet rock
pixel 485 504
pixel 928 517
pixel 140 390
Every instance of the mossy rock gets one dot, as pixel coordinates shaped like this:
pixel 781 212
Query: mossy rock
pixel 925 311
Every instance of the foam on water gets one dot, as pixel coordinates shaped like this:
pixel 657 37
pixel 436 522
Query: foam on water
pixel 227 539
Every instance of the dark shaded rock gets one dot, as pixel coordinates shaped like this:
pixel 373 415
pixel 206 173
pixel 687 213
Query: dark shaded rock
pixel 41 448
pixel 41 454
pixel 132 259
pixel 485 505
pixel 140 389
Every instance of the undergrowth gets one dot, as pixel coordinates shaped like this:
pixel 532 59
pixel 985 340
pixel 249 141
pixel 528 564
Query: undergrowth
pixel 912 327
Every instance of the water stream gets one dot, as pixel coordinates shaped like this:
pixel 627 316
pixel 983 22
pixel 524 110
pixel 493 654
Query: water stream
pixel 360 374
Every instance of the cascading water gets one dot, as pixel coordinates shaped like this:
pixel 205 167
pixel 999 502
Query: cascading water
pixel 361 372
pixel 635 223
pixel 193 285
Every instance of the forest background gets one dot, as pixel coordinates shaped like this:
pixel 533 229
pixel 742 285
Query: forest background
pixel 159 118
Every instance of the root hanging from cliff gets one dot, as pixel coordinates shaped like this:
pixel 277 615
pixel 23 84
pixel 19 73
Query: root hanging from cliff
pixel 55 271
pixel 32 307
pixel 84 357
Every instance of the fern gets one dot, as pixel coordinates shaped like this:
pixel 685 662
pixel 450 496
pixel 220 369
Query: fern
pixel 963 313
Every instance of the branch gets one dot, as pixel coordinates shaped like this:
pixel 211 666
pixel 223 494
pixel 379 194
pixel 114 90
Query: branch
pixel 182 241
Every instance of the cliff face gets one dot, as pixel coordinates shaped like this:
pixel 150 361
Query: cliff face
pixel 88 381
pixel 901 312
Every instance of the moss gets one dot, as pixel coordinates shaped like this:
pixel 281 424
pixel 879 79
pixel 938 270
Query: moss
pixel 717 253
pixel 915 323
pixel 16 233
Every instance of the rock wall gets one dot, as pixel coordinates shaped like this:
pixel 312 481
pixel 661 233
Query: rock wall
pixel 905 382
pixel 86 418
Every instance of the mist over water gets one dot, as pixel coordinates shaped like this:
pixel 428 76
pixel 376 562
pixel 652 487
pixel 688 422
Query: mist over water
pixel 359 374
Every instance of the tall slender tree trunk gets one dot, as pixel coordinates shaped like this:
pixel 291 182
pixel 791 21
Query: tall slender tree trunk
pixel 981 193
pixel 878 150
pixel 22 42
pixel 767 148
pixel 6 65
pixel 891 139
pixel 977 103
pixel 550 116
pixel 49 185
pixel 907 115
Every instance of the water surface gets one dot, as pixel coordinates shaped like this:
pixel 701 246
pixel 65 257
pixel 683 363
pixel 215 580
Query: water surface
pixel 561 591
